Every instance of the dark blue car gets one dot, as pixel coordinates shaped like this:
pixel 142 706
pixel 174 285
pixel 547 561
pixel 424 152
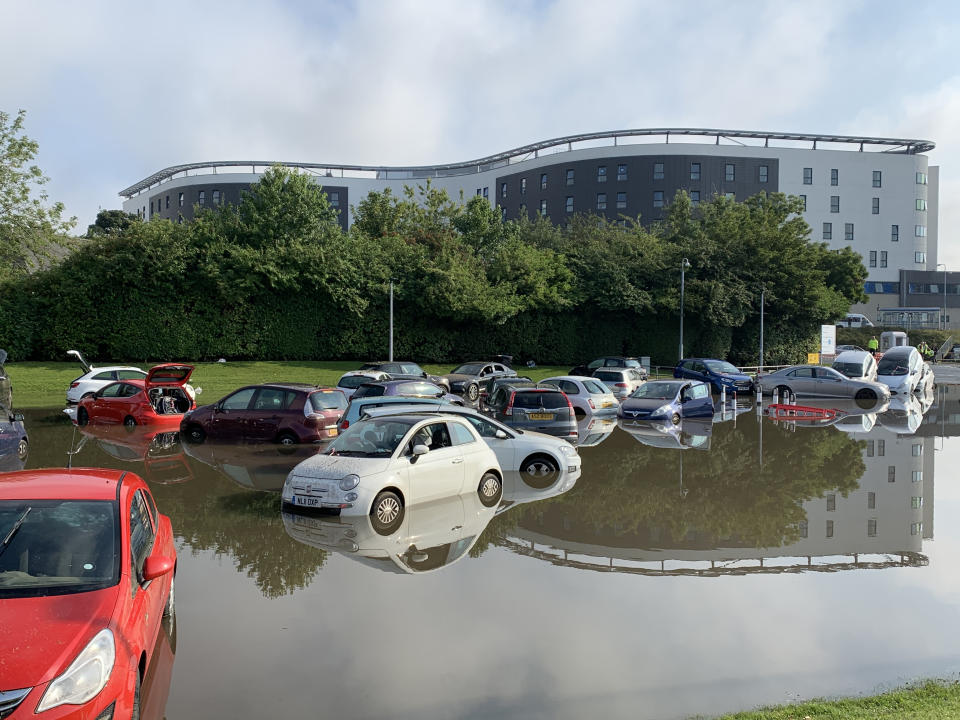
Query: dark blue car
pixel 719 373
pixel 667 401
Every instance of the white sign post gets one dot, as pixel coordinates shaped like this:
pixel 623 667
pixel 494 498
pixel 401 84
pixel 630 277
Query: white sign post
pixel 828 339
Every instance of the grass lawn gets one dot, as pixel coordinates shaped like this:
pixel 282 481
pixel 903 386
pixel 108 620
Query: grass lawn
pixel 932 700
pixel 44 384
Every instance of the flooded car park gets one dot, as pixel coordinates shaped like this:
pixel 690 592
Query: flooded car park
pixel 783 559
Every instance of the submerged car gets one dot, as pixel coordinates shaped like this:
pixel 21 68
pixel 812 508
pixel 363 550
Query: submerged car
pixel 588 395
pixel 86 576
pixel 465 379
pixel 404 388
pixel 157 454
pixel 902 369
pixel 688 434
pixel 620 381
pixel 543 409
pixel 160 399
pixel 94 379
pixel 381 466
pixel 287 413
pixel 404 371
pixel 609 361
pixel 350 381
pixel 668 400
pixel 14 443
pixel 719 373
pixel 858 364
pixel 821 381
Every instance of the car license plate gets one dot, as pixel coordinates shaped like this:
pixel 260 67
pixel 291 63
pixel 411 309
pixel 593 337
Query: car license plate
pixel 306 501
pixel 607 404
pixel 332 432
pixel 540 416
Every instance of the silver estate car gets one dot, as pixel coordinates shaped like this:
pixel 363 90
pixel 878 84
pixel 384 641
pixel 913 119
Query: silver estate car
pixel 821 381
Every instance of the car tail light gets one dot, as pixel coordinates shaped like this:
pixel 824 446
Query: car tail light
pixel 344 424
pixel 621 385
pixel 570 405
pixel 73 385
pixel 590 402
pixel 509 408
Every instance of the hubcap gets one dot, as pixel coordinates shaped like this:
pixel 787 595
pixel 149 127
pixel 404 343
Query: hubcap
pixel 387 510
pixel 539 469
pixel 286 440
pixel 490 487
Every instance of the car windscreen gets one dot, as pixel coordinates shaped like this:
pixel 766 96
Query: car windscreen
pixel 58 547
pixel 536 400
pixel 468 369
pixel 373 437
pixel 369 391
pixel 657 390
pixel 595 388
pixel 720 366
pixel 850 369
pixel 607 376
pixel 327 400
pixel 892 366
pixel 630 363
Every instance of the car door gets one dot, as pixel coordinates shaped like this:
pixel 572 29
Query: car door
pixel 503 448
pixel 802 381
pixel 266 413
pixel 830 383
pixel 143 614
pixel 105 407
pixel 699 401
pixel 439 473
pixel 230 414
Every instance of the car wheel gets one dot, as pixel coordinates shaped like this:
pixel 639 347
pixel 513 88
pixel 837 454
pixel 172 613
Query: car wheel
pixel 783 392
pixel 82 416
pixel 129 421
pixel 287 438
pixel 866 394
pixel 23 447
pixel 539 471
pixel 473 392
pixel 676 418
pixel 386 513
pixel 195 434
pixel 490 489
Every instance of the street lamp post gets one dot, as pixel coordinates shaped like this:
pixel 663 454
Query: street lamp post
pixel 391 320
pixel 944 294
pixel 684 264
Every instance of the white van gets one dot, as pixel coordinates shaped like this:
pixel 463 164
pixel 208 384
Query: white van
pixel 856 364
pixel 855 320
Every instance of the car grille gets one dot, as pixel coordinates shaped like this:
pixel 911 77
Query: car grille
pixel 743 384
pixel 10 699
pixel 636 413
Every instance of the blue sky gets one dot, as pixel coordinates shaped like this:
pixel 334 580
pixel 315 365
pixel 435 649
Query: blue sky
pixel 115 91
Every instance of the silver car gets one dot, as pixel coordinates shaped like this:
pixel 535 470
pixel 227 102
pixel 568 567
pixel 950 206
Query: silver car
pixel 821 381
pixel 621 381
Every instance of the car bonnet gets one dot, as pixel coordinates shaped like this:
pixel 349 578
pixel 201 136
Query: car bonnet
pixel 334 467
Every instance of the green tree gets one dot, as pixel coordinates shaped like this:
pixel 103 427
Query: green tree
pixel 111 222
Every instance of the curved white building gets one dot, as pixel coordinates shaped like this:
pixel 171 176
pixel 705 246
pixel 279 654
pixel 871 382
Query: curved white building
pixel 877 195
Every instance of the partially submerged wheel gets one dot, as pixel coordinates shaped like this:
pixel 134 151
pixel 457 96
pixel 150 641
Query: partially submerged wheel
pixel 22 449
pixel 287 438
pixel 195 434
pixel 490 489
pixel 386 513
pixel 865 398
pixel 539 471
pixel 129 421
pixel 82 416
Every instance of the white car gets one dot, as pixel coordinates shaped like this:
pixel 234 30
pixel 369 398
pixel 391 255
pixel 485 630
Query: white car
pixel 901 369
pixel 538 457
pixel 381 466
pixel 350 381
pixel 588 395
pixel 95 378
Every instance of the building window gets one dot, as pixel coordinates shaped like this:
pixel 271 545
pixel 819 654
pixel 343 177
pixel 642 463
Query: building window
pixel 869 448
pixel 875 209
pixel 883 258
pixel 831 502
pixel 916 449
pixel 873 258
pixel 180 200
pixel 730 172
pixel 694 171
pixel 569 205
pixel 894 233
pixel 503 214
pixel 848 232
pixel 523 186
pixel 479 190
pixel 828 231
pixel 881 448
pixel 166 203
pixel 658 198
pixel 834 203
pixel 601 201
pixel 621 171
pixel 764 173
pixel 872 527
pixel 543 208
pixel 569 177
pixel 804 528
pixel 803 199
pixel 334 198
pixel 730 196
pixel 829 528
pixel 921 178
pixel 871 501
pixel 503 189
pixel 216 197
pixel 921 204
pixel 543 181
pixel 877 178
pixel 658 171
pixel 916 528
pixel 834 176
pixel 916 502
pixel 151 207
pixel 808 176
pixel 201 197
pixel 621 200
pixel 920 230
pixel 917 476
pixel 695 198
pixel 602 173
pixel 891 473
pixel 179 219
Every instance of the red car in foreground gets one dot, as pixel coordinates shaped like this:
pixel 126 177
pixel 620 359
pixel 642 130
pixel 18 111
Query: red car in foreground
pixel 86 574
pixel 160 399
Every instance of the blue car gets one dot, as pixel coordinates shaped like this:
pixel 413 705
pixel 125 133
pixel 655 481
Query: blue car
pixel 719 373
pixel 667 401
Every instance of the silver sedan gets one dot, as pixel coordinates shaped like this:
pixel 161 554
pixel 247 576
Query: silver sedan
pixel 820 381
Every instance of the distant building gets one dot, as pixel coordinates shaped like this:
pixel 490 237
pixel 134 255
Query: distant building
pixel 876 195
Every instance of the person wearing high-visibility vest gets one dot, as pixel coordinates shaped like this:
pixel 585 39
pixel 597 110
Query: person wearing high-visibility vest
pixel 873 345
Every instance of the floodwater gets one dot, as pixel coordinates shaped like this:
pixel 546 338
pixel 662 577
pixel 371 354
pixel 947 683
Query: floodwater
pixel 712 568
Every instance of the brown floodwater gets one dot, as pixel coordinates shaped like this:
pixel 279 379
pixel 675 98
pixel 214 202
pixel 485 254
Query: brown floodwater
pixel 710 568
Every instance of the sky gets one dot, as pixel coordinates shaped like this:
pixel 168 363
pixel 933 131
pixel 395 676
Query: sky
pixel 116 91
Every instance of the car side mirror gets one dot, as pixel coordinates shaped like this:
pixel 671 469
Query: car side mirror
pixel 500 435
pixel 156 566
pixel 420 449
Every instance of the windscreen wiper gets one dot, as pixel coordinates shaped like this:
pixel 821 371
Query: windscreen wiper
pixel 13 530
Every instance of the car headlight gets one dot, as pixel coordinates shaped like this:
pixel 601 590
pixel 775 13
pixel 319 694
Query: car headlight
pixel 349 482
pixel 662 410
pixel 86 676
pixel 568 450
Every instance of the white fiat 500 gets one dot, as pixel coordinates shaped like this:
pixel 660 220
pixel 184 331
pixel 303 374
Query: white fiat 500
pixel 380 466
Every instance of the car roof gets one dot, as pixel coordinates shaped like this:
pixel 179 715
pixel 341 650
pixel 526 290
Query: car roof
pixel 901 350
pixel 411 416
pixel 366 373
pixel 851 355
pixel 102 368
pixel 536 388
pixel 61 484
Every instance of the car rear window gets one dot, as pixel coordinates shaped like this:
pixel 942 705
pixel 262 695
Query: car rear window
pixel 542 399
pixel 849 369
pixel 595 388
pixel 369 391
pixel 353 381
pixel 327 400
pixel 608 376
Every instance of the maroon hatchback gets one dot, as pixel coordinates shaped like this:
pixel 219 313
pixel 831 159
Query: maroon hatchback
pixel 287 413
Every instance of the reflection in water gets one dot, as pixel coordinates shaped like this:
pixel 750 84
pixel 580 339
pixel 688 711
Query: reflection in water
pixel 158 452
pixel 258 467
pixel 14 443
pixel 688 433
pixel 594 429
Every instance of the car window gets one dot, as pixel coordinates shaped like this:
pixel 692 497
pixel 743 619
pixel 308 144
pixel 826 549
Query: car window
pixel 608 375
pixel 595 364
pixel 106 375
pixel 699 367
pixel 130 375
pixel 111 391
pixel 367 390
pixel 240 400
pixel 141 534
pixel 418 388
pixel 699 391
pixel 569 388
pixel 634 375
pixel 328 400
pixel 499 368
pixel 274 399
pixel 461 436
pixel 595 388
pixel 128 390
pixel 498 397
pixel 482 426
pixel 801 373
pixel 435 436
pixel 152 508
pixel 468 369
pixel 410 369
pixel 534 400
pixel 828 374
pixel 353 381
pixel 631 363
